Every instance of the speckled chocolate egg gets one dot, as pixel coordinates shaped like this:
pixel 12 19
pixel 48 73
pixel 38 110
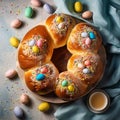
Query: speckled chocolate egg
pixel 11 73
pixel 24 98
pixel 36 3
pixel 16 23
pixel 87 14
pixel 18 111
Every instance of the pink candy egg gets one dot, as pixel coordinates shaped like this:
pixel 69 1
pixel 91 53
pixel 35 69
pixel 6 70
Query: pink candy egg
pixel 39 43
pixel 36 3
pixel 11 73
pixel 87 62
pixel 88 41
pixel 24 99
pixel 44 70
pixel 16 23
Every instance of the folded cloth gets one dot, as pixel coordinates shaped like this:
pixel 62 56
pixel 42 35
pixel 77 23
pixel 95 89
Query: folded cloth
pixel 106 18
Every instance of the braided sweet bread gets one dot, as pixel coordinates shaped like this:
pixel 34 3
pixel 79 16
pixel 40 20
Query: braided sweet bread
pixel 62 56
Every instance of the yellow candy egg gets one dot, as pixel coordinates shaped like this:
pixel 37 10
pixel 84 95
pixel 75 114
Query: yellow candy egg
pixel 44 106
pixel 59 19
pixel 71 88
pixel 78 7
pixel 14 42
pixel 35 49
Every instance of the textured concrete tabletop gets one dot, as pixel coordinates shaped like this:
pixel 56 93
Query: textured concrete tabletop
pixel 10 90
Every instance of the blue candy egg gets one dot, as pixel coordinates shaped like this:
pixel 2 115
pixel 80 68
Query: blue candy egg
pixel 86 71
pixel 18 112
pixel 48 8
pixel 92 35
pixel 40 77
pixel 31 43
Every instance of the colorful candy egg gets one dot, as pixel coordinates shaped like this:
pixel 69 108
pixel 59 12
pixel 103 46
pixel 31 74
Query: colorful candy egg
pixel 29 12
pixel 24 99
pixel 84 34
pixel 92 35
pixel 80 65
pixel 11 73
pixel 36 3
pixel 44 70
pixel 39 43
pixel 48 8
pixel 59 19
pixel 18 112
pixel 35 49
pixel 40 77
pixel 44 106
pixel 71 88
pixel 87 62
pixel 14 42
pixel 88 41
pixel 16 23
pixel 86 71
pixel 87 14
pixel 31 43
pixel 64 83
pixel 61 25
pixel 78 6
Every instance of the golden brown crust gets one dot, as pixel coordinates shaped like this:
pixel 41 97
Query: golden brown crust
pixel 46 85
pixel 60 34
pixel 77 42
pixel 26 58
pixel 87 66
pixel 67 92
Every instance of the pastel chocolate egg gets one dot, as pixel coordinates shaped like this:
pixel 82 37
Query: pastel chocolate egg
pixel 88 41
pixel 61 25
pixel 11 73
pixel 14 42
pixel 44 106
pixel 31 43
pixel 92 35
pixel 36 3
pixel 49 9
pixel 84 34
pixel 24 98
pixel 71 88
pixel 35 49
pixel 16 23
pixel 18 111
pixel 86 71
pixel 39 43
pixel 78 7
pixel 87 62
pixel 80 65
pixel 87 14
pixel 64 83
pixel 28 12
pixel 44 70
pixel 40 77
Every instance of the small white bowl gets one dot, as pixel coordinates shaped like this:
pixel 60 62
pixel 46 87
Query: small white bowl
pixel 98 101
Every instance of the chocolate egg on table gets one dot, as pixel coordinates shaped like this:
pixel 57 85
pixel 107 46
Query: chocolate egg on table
pixel 36 3
pixel 44 106
pixel 28 12
pixel 18 112
pixel 78 7
pixel 49 9
pixel 87 14
pixel 16 23
pixel 24 98
pixel 11 73
pixel 14 41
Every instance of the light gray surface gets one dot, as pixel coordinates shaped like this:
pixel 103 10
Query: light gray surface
pixel 10 90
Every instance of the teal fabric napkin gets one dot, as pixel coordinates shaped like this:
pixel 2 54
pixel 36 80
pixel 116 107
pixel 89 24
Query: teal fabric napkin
pixel 106 18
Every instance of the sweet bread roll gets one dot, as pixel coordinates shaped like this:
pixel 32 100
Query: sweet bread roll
pixel 84 38
pixel 59 27
pixel 69 87
pixel 36 48
pixel 87 66
pixel 41 79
